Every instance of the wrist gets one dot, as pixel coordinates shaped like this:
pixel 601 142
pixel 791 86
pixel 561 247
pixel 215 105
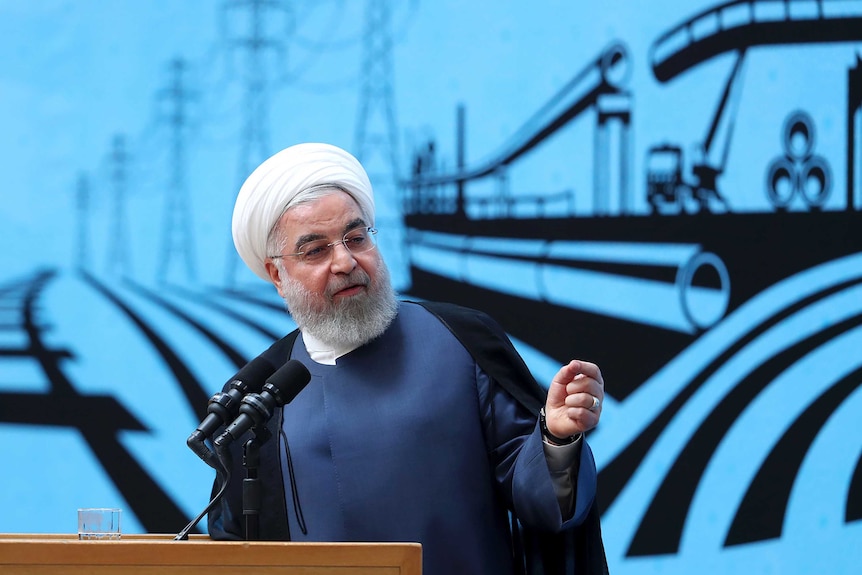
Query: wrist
pixel 550 437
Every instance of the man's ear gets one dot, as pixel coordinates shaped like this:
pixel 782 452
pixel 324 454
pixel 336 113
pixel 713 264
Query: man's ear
pixel 274 275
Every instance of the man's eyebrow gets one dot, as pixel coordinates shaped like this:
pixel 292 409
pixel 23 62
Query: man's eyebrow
pixel 305 238
pixel 356 223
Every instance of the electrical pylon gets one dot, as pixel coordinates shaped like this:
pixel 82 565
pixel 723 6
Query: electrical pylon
pixel 255 43
pixel 82 206
pixel 376 138
pixel 177 237
pixel 119 244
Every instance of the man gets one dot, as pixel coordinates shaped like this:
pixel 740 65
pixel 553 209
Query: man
pixel 409 429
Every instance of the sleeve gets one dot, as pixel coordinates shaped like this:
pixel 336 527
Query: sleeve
pixel 521 469
pixel 563 463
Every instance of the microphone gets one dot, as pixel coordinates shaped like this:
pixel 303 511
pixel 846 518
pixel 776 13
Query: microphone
pixel 224 406
pixel 256 408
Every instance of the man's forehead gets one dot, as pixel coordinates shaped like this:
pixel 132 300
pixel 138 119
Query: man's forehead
pixel 337 212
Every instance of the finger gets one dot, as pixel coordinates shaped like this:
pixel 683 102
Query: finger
pixel 581 420
pixel 567 372
pixel 586 401
pixel 557 391
pixel 591 370
pixel 585 384
pixel 577 367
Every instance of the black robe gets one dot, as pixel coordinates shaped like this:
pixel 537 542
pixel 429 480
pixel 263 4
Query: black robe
pixel 574 551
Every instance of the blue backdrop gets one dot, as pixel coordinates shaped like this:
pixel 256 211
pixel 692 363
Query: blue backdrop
pixel 672 191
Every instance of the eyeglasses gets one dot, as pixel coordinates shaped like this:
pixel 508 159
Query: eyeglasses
pixel 356 241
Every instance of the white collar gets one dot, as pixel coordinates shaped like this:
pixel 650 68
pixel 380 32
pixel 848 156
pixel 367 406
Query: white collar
pixel 322 353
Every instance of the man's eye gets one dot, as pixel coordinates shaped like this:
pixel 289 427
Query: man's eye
pixel 314 251
pixel 356 241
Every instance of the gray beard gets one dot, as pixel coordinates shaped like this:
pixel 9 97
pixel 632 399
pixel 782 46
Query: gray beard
pixel 348 323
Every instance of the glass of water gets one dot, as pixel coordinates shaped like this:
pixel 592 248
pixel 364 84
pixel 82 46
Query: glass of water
pixel 99 523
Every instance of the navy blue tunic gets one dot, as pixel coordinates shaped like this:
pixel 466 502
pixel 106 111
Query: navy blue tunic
pixel 405 439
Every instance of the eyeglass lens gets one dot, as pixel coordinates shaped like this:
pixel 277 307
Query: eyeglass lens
pixel 356 241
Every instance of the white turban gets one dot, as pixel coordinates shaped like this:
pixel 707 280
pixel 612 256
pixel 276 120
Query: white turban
pixel 266 192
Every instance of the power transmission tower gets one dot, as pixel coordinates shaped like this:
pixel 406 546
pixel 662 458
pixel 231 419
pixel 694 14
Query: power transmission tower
pixel 119 246
pixel 82 205
pixel 177 237
pixel 255 43
pixel 376 128
pixel 376 138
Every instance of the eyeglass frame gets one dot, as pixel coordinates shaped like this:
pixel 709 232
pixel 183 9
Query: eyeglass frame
pixel 371 231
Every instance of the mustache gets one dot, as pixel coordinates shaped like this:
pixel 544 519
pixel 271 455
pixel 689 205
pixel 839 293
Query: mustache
pixel 357 277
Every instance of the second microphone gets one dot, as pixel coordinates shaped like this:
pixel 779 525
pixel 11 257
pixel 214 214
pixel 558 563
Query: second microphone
pixel 257 408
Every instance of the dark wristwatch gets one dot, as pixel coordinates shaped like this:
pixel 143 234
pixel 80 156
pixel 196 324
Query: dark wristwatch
pixel 550 437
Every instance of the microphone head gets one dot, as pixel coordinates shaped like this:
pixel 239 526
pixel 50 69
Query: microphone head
pixel 252 375
pixel 287 381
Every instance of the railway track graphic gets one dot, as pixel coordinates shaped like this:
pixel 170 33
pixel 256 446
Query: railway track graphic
pixel 98 418
pixel 101 419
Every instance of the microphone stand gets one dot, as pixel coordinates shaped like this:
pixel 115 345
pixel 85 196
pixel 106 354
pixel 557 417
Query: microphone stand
pixel 251 494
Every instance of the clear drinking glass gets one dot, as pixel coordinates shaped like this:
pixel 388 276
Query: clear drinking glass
pixel 99 523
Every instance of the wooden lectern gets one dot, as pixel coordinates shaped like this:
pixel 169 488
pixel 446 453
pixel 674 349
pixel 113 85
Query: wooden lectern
pixel 23 554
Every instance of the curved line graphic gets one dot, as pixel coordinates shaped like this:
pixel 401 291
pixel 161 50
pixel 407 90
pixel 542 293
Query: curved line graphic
pixel 615 475
pixel 227 312
pixel 661 527
pixel 219 342
pixel 854 497
pixel 762 512
pixel 627 455
pixel 191 387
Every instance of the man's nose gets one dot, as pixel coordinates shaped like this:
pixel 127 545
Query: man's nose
pixel 342 259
